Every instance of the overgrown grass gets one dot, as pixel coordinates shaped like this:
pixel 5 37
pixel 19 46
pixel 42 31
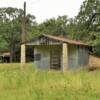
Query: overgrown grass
pixel 33 84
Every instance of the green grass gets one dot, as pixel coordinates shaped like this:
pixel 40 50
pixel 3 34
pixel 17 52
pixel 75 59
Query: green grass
pixel 33 84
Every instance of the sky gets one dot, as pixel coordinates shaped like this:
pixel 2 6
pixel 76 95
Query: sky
pixel 46 9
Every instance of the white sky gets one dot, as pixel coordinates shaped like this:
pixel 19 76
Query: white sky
pixel 45 9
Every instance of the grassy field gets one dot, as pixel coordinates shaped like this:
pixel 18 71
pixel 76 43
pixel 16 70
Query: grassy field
pixel 33 84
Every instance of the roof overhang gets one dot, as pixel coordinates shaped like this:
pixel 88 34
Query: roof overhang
pixel 46 39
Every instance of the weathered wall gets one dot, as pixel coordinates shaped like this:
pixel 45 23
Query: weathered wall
pixel 45 53
pixel 83 56
pixel 78 56
pixel 94 61
pixel 44 62
pixel 72 56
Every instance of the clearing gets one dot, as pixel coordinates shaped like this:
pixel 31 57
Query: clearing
pixel 47 85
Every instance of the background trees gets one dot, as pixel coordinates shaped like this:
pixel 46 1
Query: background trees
pixel 10 28
pixel 85 26
pixel 54 26
pixel 88 21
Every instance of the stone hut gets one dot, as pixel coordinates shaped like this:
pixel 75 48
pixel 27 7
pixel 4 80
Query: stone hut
pixel 56 52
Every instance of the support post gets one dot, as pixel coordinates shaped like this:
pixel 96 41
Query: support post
pixel 23 56
pixel 23 39
pixel 64 57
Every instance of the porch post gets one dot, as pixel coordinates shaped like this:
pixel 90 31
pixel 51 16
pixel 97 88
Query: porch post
pixel 64 57
pixel 23 56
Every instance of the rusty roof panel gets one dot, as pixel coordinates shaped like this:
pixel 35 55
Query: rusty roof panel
pixel 64 39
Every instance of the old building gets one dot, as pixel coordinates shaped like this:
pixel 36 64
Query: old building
pixel 54 52
pixel 5 57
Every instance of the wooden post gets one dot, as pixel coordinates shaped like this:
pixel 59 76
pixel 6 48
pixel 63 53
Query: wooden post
pixel 64 57
pixel 23 45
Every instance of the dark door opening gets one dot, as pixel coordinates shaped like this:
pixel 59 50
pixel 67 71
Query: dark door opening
pixel 55 61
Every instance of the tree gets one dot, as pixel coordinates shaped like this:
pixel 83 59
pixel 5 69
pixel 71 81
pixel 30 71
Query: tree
pixel 53 26
pixel 89 27
pixel 10 28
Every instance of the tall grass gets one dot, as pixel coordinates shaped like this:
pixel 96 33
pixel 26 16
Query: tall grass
pixel 33 84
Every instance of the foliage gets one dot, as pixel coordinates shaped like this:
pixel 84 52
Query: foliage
pixel 88 21
pixel 54 26
pixel 85 26
pixel 10 28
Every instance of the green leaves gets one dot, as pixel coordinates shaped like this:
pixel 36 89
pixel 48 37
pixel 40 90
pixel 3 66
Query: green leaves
pixel 54 26
pixel 89 22
pixel 10 28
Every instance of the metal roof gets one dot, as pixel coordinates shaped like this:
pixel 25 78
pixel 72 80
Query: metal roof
pixel 63 39
pixel 66 40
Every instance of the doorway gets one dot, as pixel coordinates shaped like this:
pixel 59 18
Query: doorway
pixel 55 59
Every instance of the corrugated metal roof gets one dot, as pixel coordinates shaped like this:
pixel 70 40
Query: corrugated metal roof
pixel 64 39
pixel 60 39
